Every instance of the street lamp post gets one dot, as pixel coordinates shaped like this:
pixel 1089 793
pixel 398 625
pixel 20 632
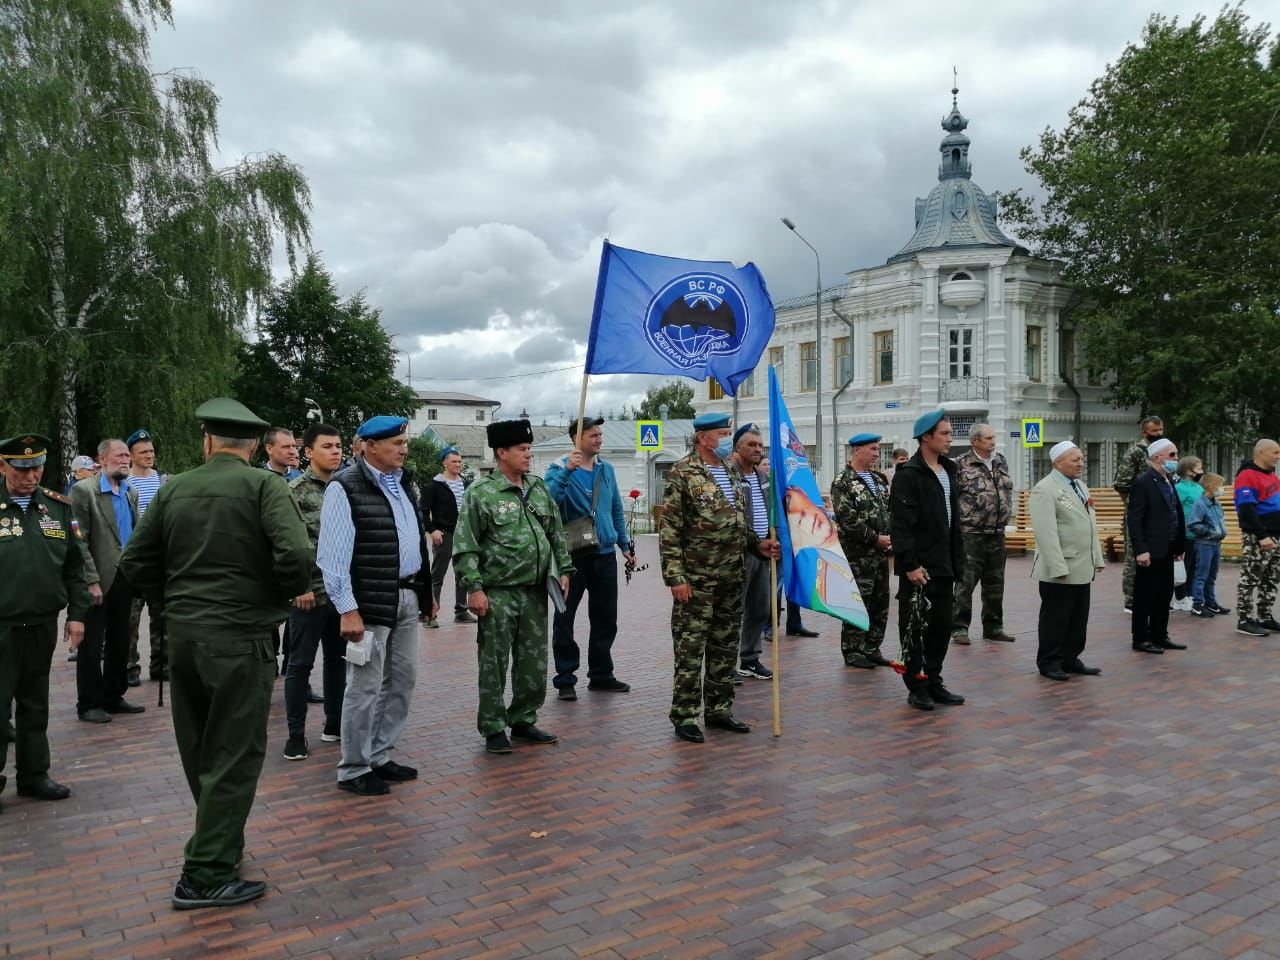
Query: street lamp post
pixel 817 332
pixel 314 409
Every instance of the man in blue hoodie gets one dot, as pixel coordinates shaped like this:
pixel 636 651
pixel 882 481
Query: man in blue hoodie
pixel 572 480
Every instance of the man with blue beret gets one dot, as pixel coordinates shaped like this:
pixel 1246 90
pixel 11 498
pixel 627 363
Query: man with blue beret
pixel 703 536
pixel 441 503
pixel 924 528
pixel 226 547
pixel 860 504
pixel 41 571
pixel 371 550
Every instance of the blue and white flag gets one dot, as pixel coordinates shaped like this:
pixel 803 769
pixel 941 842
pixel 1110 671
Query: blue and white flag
pixel 690 318
pixel 815 572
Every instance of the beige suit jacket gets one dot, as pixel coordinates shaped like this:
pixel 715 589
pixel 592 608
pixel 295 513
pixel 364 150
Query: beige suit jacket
pixel 101 535
pixel 1067 547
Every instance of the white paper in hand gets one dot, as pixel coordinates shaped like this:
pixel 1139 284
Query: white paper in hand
pixel 358 653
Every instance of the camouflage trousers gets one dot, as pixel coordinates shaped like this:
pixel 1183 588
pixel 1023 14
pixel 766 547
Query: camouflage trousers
pixel 515 630
pixel 704 633
pixel 1259 572
pixel 983 563
pixel 1130 568
pixel 872 575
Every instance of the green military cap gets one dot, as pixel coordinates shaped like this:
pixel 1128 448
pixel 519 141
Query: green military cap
pixel 224 417
pixel 25 451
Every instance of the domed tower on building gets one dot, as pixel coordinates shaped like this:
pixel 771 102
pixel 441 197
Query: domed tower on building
pixel 962 317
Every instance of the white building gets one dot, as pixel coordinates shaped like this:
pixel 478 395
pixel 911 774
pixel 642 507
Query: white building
pixel 961 317
pixel 440 408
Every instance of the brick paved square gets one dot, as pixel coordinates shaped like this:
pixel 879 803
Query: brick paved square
pixel 1131 814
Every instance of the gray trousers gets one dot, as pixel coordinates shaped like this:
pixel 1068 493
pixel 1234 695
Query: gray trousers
pixel 376 704
pixel 756 609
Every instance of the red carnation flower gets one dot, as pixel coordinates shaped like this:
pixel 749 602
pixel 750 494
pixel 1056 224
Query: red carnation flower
pixel 634 494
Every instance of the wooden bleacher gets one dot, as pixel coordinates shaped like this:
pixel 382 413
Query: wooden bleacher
pixel 1110 512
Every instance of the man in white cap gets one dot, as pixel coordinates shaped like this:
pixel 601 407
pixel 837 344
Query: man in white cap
pixel 1157 530
pixel 1068 556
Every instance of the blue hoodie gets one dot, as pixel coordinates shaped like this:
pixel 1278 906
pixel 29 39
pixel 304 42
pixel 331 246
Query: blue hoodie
pixel 571 490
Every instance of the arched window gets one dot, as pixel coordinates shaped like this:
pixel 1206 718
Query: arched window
pixel 961 276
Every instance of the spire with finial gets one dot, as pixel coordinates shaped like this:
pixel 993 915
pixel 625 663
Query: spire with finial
pixel 955 145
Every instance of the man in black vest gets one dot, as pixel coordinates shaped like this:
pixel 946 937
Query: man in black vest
pixel 370 552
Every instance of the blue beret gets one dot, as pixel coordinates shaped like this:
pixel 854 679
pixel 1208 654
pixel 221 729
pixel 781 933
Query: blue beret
pixel 448 450
pixel 136 437
pixel 711 421
pixel 927 421
pixel 862 439
pixel 745 428
pixel 382 428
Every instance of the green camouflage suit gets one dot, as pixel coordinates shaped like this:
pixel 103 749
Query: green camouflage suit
pixel 985 497
pixel 507 542
pixel 1132 465
pixel 862 517
pixel 701 539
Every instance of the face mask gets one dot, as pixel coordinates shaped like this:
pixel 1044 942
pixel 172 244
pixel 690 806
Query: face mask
pixel 724 448
pixel 1171 466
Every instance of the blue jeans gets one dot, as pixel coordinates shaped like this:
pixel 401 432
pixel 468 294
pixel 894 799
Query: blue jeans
pixel 1208 553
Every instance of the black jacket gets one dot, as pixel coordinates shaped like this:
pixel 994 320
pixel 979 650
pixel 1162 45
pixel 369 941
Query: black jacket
pixel 439 508
pixel 1155 526
pixel 918 520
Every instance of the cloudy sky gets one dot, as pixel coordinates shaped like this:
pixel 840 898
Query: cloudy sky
pixel 466 159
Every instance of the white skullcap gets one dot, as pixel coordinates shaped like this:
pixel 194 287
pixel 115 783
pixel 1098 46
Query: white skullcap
pixel 1160 446
pixel 1058 449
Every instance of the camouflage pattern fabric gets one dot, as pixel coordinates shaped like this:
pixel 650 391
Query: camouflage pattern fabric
pixel 1259 573
pixel 983 563
pixel 862 516
pixel 1132 464
pixel 308 494
pixel 701 539
pixel 985 495
pixel 514 630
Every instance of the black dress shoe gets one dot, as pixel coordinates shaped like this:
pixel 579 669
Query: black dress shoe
pixel 366 785
pixel 612 685
pixel 45 789
pixel 879 660
pixel 802 632
pixel 727 722
pixel 1167 644
pixel 395 772
pixel 943 695
pixel 857 660
pixel 1084 670
pixel 135 680
pixel 94 715
pixel 531 734
pixel 187 896
pixel 124 706
pixel 567 693
pixel 497 742
pixel 920 699
pixel 1054 673
pixel 313 697
pixel 1147 648
pixel 690 732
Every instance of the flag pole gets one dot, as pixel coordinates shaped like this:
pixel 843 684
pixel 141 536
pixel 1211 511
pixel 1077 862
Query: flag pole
pixel 582 412
pixel 777 641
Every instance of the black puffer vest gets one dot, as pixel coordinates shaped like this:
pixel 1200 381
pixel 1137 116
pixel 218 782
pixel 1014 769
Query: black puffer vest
pixel 375 558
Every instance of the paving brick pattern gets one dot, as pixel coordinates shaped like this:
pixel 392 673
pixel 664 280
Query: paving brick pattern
pixel 1132 815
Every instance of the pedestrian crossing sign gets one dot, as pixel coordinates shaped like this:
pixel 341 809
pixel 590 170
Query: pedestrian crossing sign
pixel 1033 433
pixel 648 435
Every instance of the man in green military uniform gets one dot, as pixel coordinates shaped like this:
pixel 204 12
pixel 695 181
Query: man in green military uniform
pixel 702 537
pixel 1132 465
pixel 41 571
pixel 860 502
pixel 508 541
pixel 225 550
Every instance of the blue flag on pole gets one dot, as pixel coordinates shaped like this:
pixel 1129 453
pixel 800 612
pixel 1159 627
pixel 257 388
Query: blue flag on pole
pixel 690 318
pixel 815 572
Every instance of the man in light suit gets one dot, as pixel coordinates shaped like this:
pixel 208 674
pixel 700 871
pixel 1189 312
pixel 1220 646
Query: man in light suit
pixel 1068 556
pixel 106 509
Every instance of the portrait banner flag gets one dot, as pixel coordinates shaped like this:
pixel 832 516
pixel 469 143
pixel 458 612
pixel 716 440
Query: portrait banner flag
pixel 815 572
pixel 687 318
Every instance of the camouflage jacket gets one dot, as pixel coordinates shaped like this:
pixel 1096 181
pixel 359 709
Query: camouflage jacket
pixel 985 495
pixel 701 534
pixel 308 494
pixel 507 536
pixel 1132 465
pixel 861 514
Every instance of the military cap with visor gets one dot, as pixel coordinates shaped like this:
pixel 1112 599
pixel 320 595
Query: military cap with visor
pixel 224 417
pixel 26 451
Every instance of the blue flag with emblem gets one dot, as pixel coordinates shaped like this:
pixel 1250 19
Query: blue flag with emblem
pixel 690 318
pixel 815 572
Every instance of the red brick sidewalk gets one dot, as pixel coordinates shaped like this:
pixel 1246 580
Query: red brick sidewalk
pixel 1131 815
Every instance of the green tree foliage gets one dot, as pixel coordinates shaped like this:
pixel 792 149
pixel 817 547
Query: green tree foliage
pixel 1162 197
pixel 128 262
pixel 314 346
pixel 424 460
pixel 677 394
